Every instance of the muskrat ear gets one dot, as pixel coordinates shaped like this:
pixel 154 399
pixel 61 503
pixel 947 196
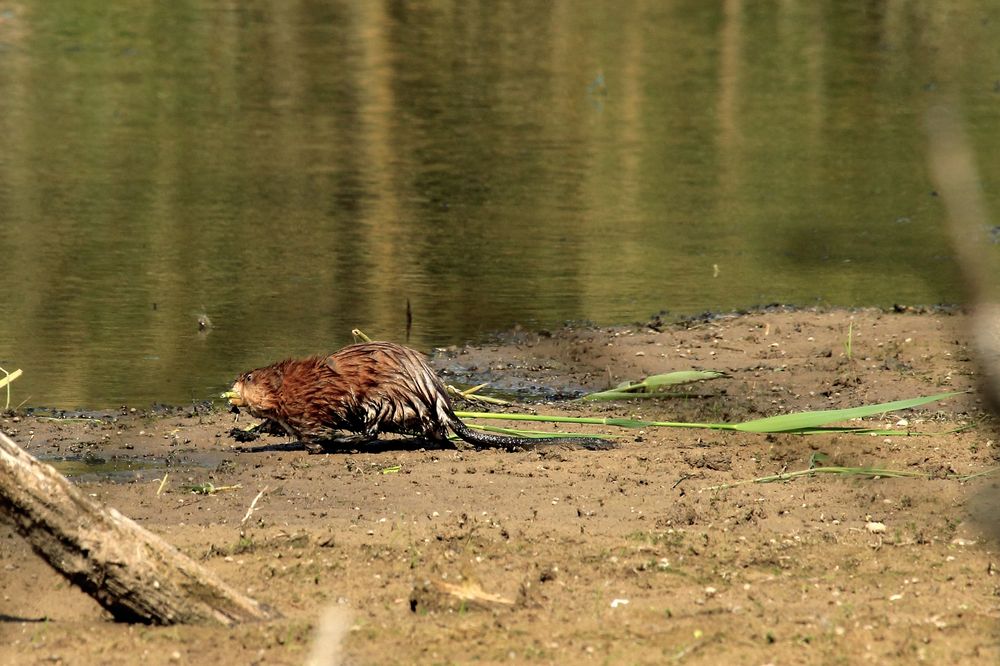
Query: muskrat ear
pixel 330 363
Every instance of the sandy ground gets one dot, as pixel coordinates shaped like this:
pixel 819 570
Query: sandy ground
pixel 622 556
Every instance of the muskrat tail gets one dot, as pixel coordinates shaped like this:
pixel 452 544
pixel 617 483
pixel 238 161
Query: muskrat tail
pixel 489 440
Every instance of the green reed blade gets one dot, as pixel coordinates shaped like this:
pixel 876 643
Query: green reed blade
pixel 648 386
pixel 532 434
pixel 621 423
pixel 803 423
pixel 809 420
pixel 673 378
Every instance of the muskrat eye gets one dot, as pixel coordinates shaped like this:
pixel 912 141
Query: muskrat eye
pixel 249 377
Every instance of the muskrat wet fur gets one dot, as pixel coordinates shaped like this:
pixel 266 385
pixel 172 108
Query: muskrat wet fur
pixel 367 389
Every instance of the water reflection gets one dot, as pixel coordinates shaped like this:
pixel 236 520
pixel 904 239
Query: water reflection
pixel 298 169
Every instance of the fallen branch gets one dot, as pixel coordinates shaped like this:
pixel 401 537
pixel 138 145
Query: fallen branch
pixel 134 574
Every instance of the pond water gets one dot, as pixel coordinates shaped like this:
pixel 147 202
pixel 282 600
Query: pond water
pixel 292 170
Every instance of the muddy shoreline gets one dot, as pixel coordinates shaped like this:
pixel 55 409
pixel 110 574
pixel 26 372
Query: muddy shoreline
pixel 618 556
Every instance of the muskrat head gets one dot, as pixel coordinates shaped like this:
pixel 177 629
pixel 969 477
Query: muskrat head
pixel 256 390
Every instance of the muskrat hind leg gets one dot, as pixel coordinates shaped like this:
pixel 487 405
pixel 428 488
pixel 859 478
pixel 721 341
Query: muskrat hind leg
pixel 438 437
pixel 446 442
pixel 270 427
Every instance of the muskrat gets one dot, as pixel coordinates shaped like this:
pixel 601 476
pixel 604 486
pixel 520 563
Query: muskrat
pixel 367 389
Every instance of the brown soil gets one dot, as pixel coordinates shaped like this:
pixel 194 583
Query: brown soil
pixel 617 556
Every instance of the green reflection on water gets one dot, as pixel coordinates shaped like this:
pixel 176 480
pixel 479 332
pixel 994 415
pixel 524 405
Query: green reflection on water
pixel 298 169
pixel 116 468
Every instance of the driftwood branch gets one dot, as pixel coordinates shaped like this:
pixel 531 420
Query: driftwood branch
pixel 131 572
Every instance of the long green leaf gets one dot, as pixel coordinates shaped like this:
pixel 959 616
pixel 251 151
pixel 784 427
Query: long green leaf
pixel 808 420
pixel 621 423
pixel 804 423
pixel 538 434
pixel 680 377
pixel 648 386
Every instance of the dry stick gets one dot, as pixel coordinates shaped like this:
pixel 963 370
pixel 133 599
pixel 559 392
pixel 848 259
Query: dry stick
pixel 5 382
pixel 131 572
pixel 253 505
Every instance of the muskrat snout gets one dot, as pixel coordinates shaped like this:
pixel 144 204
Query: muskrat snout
pixel 234 395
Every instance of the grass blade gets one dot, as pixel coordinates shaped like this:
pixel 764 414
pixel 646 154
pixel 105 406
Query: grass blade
pixel 870 472
pixel 472 395
pixel 809 420
pixel 680 377
pixel 648 386
pixel 621 423
pixel 531 434
pixel 8 378
pixel 11 376
pixel 802 423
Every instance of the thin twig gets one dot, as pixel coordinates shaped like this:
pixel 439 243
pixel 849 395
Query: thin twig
pixel 873 472
pixel 682 479
pixel 253 506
